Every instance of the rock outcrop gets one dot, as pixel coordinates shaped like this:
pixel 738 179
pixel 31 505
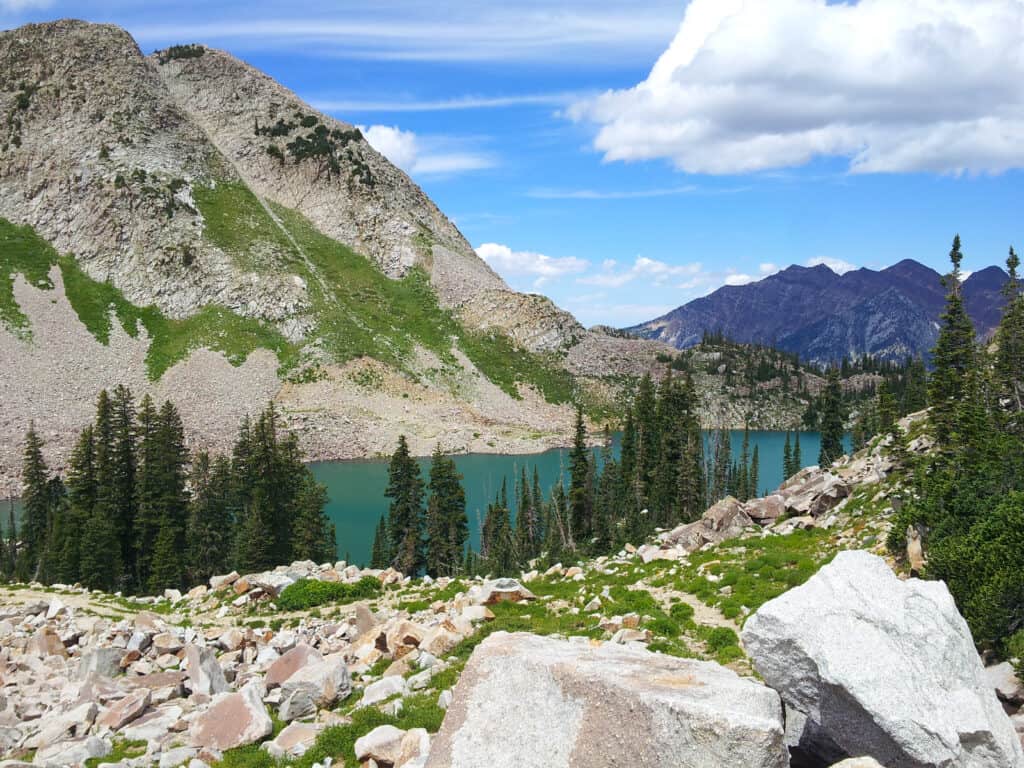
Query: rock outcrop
pixel 589 706
pixel 886 668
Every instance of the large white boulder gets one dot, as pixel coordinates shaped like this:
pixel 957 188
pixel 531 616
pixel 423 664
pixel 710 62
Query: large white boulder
pixel 525 701
pixel 885 667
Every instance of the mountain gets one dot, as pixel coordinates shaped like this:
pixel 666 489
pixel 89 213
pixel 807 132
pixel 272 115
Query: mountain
pixel 182 224
pixel 824 316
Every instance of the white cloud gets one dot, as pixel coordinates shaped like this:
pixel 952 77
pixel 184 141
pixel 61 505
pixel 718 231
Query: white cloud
pixel 656 272
pixel 838 266
pixel 738 278
pixel 767 268
pixel 418 157
pixel 892 85
pixel 14 6
pixel 509 263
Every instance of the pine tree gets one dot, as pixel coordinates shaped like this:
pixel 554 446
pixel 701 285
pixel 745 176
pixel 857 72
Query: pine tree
pixel 581 503
pixel 755 471
pixel 35 499
pixel 210 524
pixel 954 355
pixel 798 461
pixel 831 422
pixel 405 514
pixel 148 490
pixel 1010 339
pixel 787 458
pixel 122 473
pixel 380 556
pixel 167 564
pixel 313 535
pixel 446 522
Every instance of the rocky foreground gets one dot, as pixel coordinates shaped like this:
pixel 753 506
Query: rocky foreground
pixel 626 660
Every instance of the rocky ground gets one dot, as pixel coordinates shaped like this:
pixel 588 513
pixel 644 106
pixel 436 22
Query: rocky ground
pixel 594 664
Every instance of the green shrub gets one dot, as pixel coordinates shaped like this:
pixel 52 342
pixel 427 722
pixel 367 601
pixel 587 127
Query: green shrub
pixel 190 51
pixel 682 612
pixel 309 593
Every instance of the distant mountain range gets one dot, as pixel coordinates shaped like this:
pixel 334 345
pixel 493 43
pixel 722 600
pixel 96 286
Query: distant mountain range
pixel 824 316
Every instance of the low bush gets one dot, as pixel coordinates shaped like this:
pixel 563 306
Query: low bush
pixel 309 593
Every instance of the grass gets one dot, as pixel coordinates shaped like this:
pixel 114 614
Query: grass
pixel 309 593
pixel 122 750
pixel 238 224
pixel 96 304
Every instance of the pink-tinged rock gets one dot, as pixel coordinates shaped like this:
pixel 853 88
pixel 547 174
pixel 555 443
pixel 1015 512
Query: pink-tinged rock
pixel 766 510
pixel 125 711
pixel 383 744
pixel 204 672
pixel 500 591
pixel 440 640
pixel 323 683
pixel 291 662
pixel 216 582
pixel 233 720
pixel 294 740
pixel 45 642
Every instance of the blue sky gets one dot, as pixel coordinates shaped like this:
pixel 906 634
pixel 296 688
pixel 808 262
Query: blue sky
pixel 626 158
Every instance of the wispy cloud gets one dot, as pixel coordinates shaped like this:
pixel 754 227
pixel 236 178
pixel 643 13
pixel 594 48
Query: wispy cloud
pixel 443 105
pixel 656 272
pixel 540 267
pixel 419 156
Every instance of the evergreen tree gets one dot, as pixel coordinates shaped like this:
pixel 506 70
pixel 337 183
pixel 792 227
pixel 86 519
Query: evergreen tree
pixel 313 534
pixel 210 523
pixel 1010 340
pixel 798 461
pixel 580 500
pixel 167 564
pixel 954 355
pixel 380 556
pixel 446 522
pixel 405 514
pixel 831 422
pixel 787 458
pixel 755 472
pixel 35 500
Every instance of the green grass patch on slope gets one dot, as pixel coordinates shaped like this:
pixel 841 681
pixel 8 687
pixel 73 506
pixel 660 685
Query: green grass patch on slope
pixel 237 223
pixel 96 304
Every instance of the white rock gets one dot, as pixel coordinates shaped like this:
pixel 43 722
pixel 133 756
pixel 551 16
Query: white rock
pixel 383 689
pixel 886 668
pixel 383 744
pixel 525 701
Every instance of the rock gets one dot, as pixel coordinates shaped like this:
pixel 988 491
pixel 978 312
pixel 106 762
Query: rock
pixel 440 640
pixel 45 642
pixel 100 661
pixel 125 711
pixel 725 520
pixel 364 619
pixel 233 720
pixel 204 673
pixel 1004 681
pixel 383 689
pixel 525 701
pixel 294 740
pixel 765 510
pixel 152 726
pixel 172 758
pixel 648 553
pixel 859 762
pixel 383 744
pixel 290 663
pixel 272 583
pixel 217 582
pixel 886 668
pixel 323 683
pixel 500 591
pixel 75 752
pixel 167 642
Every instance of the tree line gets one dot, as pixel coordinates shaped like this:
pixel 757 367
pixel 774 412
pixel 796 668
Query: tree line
pixel 137 512
pixel 968 494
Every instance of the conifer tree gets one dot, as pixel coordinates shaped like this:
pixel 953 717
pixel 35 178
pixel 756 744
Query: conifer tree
pixel 1010 340
pixel 405 514
pixel 210 525
pixel 35 499
pixel 787 458
pixel 798 461
pixel 167 564
pixel 755 472
pixel 446 522
pixel 380 555
pixel 313 534
pixel 954 355
pixel 831 422
pixel 580 499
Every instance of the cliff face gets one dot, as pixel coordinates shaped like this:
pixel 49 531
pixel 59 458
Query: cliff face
pixel 188 214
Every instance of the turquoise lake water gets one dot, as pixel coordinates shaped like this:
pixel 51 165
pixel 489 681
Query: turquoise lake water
pixel 355 489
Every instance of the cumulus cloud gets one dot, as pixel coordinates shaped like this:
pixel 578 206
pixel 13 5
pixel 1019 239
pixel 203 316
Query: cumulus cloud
pixel 510 264
pixel 739 278
pixel 893 85
pixel 654 271
pixel 418 157
pixel 838 266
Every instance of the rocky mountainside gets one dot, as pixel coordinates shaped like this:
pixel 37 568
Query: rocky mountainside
pixel 184 224
pixel 891 313
pixel 624 659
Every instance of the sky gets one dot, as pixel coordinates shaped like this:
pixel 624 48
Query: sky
pixel 624 158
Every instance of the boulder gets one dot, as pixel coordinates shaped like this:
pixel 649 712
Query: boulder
pixel 383 744
pixel 384 689
pixel 500 591
pixel 233 720
pixel 45 642
pixel 322 683
pixel 125 711
pixel 101 661
pixel 886 668
pixel 204 673
pixel 859 762
pixel 1004 681
pixel 272 582
pixel 766 510
pixel 725 520
pixel 290 663
pixel 294 740
pixel 216 582
pixel 525 701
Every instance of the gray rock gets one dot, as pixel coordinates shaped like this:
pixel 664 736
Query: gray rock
pixel 102 661
pixel 525 701
pixel 725 520
pixel 887 668
pixel 204 672
pixel 323 683
pixel 1004 681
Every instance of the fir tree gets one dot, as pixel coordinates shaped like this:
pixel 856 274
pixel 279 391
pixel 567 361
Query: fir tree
pixel 313 535
pixel 446 522
pixel 1010 339
pixel 405 514
pixel 831 422
pixel 35 499
pixel 798 461
pixel 580 500
pixel 787 458
pixel 954 355
pixel 210 522
pixel 380 556
pixel 121 488
pixel 755 471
